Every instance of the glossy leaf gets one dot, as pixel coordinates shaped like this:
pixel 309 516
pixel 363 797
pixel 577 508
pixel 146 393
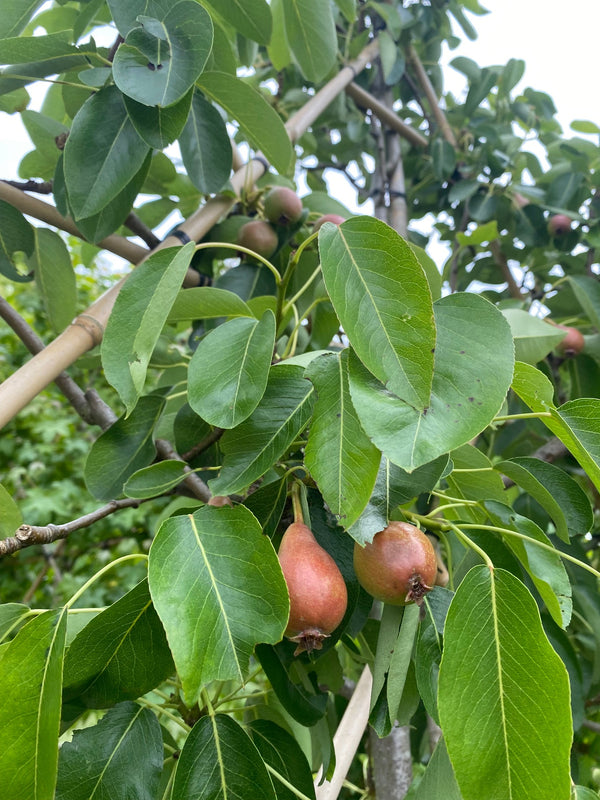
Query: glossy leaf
pixel 555 490
pixel 159 61
pixel 10 515
pixel 576 423
pixel 545 567
pixel 278 48
pixel 31 676
pixel 283 753
pixel 438 779
pixel 159 126
pixel 217 586
pixel 310 32
pixel 55 278
pixel 122 449
pixel 429 647
pixel 121 757
pixel 229 370
pixel 155 479
pixel 11 615
pixel 401 658
pixel 137 319
pixel 17 240
pixel 103 153
pixel 207 302
pixel 338 453
pixel 382 298
pixel 257 119
pixel 219 760
pixel 251 448
pixel 267 504
pixel 205 147
pixel 121 654
pixel 16 15
pixel 481 483
pixel 587 292
pixel 394 486
pixel 252 18
pixel 468 387
pixel 534 338
pixel 503 694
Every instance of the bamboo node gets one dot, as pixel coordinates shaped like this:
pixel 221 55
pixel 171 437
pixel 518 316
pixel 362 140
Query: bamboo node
pixel 91 326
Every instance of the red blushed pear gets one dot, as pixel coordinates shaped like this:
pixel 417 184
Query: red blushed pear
pixel 259 237
pixel 573 343
pixel 399 566
pixel 559 225
pixel 282 206
pixel 318 595
pixel 336 219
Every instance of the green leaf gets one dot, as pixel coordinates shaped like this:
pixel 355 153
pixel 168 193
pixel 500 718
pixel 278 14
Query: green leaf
pixel 252 18
pixel 393 487
pixel 155 479
pixel 229 370
pixel 205 147
pixel 55 278
pixel 31 678
pixel 159 61
pixel 576 423
pixel 103 153
pixel 382 298
pixel 255 445
pixel 137 319
pixel 218 588
pixel 156 125
pixel 503 694
pixel 10 514
pixel 278 49
pixel 468 390
pixel 310 32
pixel 545 567
pixel 587 292
pixel 534 338
pixel 257 119
pixel 283 753
pixel 121 654
pixel 401 658
pixel 17 240
pixel 443 159
pixel 430 269
pixel 338 453
pixel 483 484
pixel 438 779
pixel 16 15
pixel 122 449
pixel 428 652
pixel 121 758
pixel 206 302
pixel 36 57
pixel 563 189
pixel 219 760
pixel 555 490
pixel 267 504
pixel 302 705
pixel 11 615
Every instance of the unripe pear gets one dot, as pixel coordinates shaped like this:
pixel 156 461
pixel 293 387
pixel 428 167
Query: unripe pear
pixel 559 225
pixel 399 566
pixel 282 206
pixel 259 237
pixel 573 343
pixel 318 595
pixel 336 219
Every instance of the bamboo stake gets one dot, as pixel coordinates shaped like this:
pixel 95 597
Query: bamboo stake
pixel 34 207
pixel 347 737
pixel 366 100
pixel 437 112
pixel 87 329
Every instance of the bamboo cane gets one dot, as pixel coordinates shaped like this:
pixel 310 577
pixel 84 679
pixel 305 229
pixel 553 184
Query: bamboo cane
pixel 347 737
pixel 365 99
pixel 87 329
pixel 430 94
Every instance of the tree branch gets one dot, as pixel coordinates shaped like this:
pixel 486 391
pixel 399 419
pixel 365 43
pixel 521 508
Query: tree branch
pixel 29 535
pixel 192 481
pixel 204 444
pixel 365 99
pixel 500 260
pixel 135 225
pixel 430 94
pixel 41 187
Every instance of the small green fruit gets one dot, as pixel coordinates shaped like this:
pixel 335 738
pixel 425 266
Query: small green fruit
pixel 259 237
pixel 282 206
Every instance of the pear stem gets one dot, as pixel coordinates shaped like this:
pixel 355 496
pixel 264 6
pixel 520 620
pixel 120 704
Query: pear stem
pixel 297 502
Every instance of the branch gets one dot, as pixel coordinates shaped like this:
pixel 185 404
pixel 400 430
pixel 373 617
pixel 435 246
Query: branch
pixel 29 535
pixel 364 99
pixel 115 46
pixel 41 187
pixel 204 444
pixel 500 260
pixel 192 481
pixel 430 94
pixel 135 225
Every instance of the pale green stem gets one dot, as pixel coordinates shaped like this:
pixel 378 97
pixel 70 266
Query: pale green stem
pixel 169 786
pixel 454 499
pixel 473 469
pixel 301 319
pixel 435 511
pixel 297 503
pixel 286 783
pixel 239 249
pixel 219 702
pixel 301 291
pixel 290 347
pixel 543 545
pixel 162 710
pixel 100 573
pixel 527 415
pixel 469 543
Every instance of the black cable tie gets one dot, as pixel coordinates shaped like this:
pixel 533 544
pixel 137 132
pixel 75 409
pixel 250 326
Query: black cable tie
pixel 394 193
pixel 179 234
pixel 261 160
